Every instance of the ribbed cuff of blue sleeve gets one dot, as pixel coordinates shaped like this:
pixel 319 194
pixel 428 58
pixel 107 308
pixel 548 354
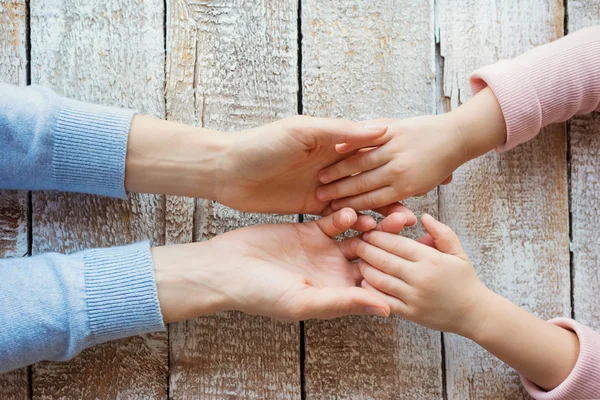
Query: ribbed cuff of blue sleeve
pixel 89 148
pixel 120 292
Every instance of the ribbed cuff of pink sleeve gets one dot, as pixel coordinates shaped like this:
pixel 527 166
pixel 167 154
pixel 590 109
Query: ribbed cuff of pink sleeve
pixel 517 98
pixel 548 84
pixel 584 380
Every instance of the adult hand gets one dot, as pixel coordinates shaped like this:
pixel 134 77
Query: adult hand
pixel 284 271
pixel 274 168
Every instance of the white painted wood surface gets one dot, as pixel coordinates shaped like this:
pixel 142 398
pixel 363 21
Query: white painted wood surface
pixel 230 66
pixel 509 210
pixel 13 70
pixel 109 52
pixel 362 61
pixel 585 185
pixel 13 204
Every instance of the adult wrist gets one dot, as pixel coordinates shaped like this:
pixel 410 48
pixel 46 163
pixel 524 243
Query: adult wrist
pixel 164 157
pixel 188 281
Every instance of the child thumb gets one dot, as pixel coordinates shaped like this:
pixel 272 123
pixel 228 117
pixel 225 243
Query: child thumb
pixel 444 238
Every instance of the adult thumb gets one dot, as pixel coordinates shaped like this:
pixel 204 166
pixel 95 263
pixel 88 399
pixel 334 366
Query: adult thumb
pixel 331 303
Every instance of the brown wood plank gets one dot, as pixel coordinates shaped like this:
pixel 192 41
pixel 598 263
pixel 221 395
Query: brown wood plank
pixel 230 66
pixel 109 52
pixel 510 210
pixel 585 193
pixel 363 62
pixel 13 204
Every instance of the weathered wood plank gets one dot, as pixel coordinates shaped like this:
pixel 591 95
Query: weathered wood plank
pixel 109 52
pixel 510 210
pixel 230 66
pixel 13 204
pixel 363 62
pixel 585 173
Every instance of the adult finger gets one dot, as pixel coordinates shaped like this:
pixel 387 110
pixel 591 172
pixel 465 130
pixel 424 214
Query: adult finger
pixel 399 246
pixel 353 185
pixel 313 131
pixel 364 223
pixel 338 222
pixel 360 162
pixel 367 201
pixel 327 303
pixel 447 180
pixel 348 147
pixel 397 306
pixel 393 223
pixel 396 207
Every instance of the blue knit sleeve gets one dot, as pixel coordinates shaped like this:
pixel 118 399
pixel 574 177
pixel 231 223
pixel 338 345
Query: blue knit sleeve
pixel 49 142
pixel 53 306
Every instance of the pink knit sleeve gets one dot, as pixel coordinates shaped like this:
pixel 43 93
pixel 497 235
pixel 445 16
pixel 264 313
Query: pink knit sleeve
pixel 548 84
pixel 584 380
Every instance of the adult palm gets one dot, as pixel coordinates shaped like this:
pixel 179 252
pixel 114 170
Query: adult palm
pixel 298 271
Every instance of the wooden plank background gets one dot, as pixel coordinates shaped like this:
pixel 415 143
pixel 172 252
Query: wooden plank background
pixel 232 65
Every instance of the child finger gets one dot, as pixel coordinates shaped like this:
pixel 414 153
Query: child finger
pixel 397 306
pixel 384 261
pixel 380 280
pixel 354 185
pixel 427 240
pixel 360 162
pixel 399 246
pixel 368 201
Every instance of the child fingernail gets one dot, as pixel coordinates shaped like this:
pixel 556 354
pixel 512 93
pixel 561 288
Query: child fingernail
pixel 323 177
pixel 366 235
pixel 321 194
pixel 377 311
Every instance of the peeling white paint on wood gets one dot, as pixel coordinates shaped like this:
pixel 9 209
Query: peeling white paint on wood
pixel 13 70
pixel 585 186
pixel 509 210
pixel 362 61
pixel 230 66
pixel 13 204
pixel 108 52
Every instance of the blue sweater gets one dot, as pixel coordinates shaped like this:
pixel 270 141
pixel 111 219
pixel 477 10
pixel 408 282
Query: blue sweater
pixel 53 306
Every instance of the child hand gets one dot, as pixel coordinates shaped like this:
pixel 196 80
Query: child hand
pixel 413 157
pixel 429 281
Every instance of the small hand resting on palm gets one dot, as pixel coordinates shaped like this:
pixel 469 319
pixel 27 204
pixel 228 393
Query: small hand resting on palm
pixel 284 271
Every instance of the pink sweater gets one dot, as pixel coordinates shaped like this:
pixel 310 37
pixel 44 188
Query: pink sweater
pixel 550 84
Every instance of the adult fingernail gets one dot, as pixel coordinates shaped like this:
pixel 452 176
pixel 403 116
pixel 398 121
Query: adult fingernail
pixel 376 127
pixel 377 311
pixel 323 177
pixel 321 194
pixel 366 235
